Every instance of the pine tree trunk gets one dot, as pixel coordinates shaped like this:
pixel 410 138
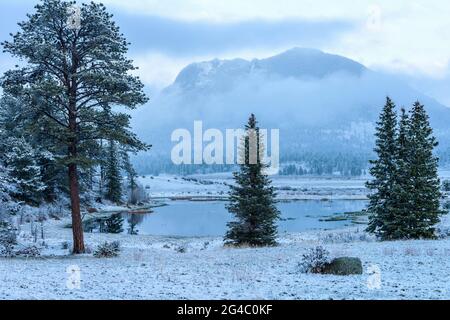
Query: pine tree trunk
pixel 77 227
pixel 102 172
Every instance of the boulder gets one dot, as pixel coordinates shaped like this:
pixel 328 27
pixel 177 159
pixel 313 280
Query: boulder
pixel 343 266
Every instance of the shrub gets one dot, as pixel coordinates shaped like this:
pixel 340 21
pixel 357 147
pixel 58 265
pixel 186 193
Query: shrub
pixel 314 260
pixel 181 249
pixel 446 185
pixel 346 236
pixel 446 206
pixel 107 250
pixel 443 231
pixel 8 243
pixel 28 252
pixel 65 245
pixel 8 239
pixel 343 266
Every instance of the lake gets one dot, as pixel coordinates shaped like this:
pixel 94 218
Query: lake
pixel 209 218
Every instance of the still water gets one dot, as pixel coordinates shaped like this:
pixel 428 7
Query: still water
pixel 191 218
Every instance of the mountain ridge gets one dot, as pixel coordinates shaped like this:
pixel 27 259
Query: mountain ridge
pixel 322 103
pixel 301 63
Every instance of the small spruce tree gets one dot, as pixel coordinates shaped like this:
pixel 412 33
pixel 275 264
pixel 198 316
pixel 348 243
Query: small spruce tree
pixel 382 171
pixel 24 173
pixel 112 175
pixel 425 207
pixel 114 224
pixel 132 183
pixel 7 205
pixel 252 199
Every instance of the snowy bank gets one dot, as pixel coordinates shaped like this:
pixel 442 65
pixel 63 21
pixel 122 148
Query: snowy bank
pixel 201 268
pixel 216 186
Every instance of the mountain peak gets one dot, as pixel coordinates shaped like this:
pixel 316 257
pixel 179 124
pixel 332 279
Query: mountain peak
pixel 311 63
pixel 301 63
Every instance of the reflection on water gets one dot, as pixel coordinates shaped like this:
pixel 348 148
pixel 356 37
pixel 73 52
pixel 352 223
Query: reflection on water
pixel 133 221
pixel 192 218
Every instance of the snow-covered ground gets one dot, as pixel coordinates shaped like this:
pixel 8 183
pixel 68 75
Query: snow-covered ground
pixel 207 186
pixel 288 188
pixel 155 268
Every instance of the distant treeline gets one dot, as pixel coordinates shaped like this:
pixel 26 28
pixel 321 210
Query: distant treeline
pixel 314 163
pixel 307 163
pixel 304 164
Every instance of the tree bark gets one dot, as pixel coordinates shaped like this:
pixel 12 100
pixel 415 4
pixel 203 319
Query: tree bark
pixel 77 226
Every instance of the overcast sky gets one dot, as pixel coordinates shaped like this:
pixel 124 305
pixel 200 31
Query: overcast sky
pixel 408 38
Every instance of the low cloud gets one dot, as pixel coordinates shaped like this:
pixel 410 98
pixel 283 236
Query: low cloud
pixel 338 102
pixel 187 39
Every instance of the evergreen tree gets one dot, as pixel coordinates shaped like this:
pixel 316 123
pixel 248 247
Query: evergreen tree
pixel 24 173
pixel 129 170
pixel 382 170
pixel 402 189
pixel 404 203
pixel 7 205
pixel 102 160
pixel 252 200
pixel 16 122
pixel 52 174
pixel 114 224
pixel 73 74
pixel 112 175
pixel 425 207
pixel 131 177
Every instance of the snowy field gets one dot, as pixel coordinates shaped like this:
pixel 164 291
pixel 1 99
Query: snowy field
pixel 201 268
pixel 288 188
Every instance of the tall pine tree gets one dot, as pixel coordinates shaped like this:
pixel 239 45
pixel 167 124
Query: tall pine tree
pixel 73 73
pixel 404 203
pixel 425 207
pixel 252 200
pixel 382 171
pixel 402 189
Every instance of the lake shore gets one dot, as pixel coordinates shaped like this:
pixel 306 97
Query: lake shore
pixel 186 218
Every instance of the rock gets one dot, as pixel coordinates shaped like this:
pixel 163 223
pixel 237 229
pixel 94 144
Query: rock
pixel 343 266
pixel 92 210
